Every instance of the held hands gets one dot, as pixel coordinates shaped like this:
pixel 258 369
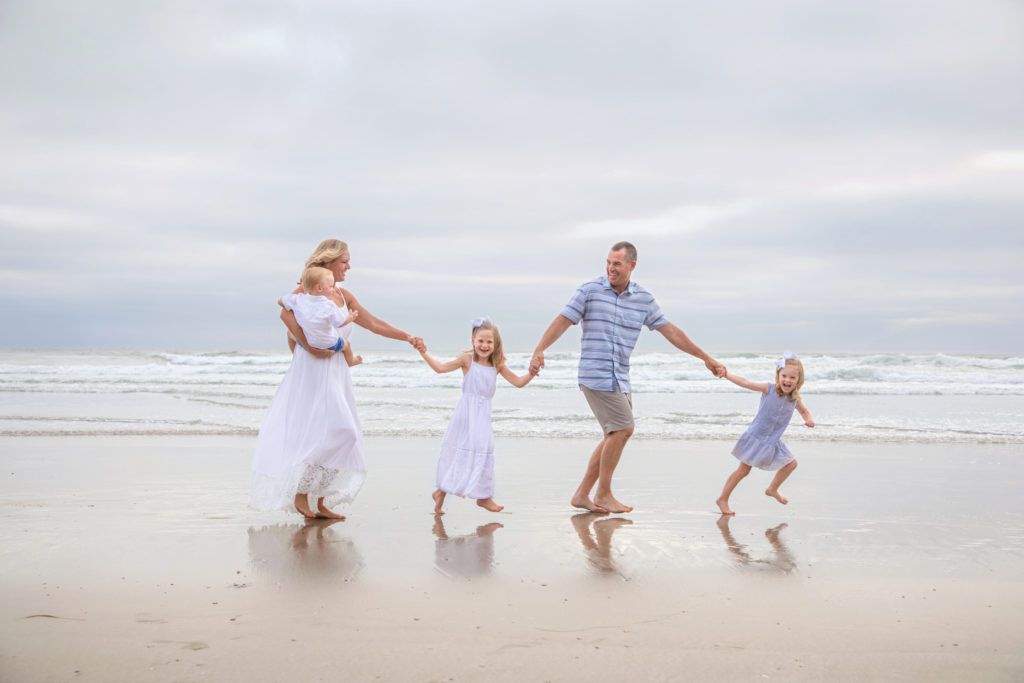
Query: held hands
pixel 716 368
pixel 536 363
pixel 417 343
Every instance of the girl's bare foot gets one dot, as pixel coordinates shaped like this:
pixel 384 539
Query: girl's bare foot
pixel 610 504
pixel 302 505
pixel 324 512
pixel 489 504
pixel 438 497
pixel 723 505
pixel 584 503
pixel 776 495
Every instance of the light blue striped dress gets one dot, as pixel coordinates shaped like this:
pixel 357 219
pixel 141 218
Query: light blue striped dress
pixel 761 445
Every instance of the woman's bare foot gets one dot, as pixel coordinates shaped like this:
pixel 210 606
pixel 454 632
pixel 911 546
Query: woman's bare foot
pixel 302 505
pixel 610 504
pixel 723 505
pixel 438 497
pixel 584 503
pixel 489 504
pixel 324 512
pixel 776 495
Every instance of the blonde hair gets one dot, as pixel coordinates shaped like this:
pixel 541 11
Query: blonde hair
pixel 795 394
pixel 327 251
pixel 314 275
pixel 498 354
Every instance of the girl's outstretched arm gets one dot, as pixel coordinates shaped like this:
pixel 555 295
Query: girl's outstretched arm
pixel 439 367
pixel 762 387
pixel 518 381
pixel 804 413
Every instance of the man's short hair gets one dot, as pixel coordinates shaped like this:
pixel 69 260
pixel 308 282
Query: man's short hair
pixel 628 248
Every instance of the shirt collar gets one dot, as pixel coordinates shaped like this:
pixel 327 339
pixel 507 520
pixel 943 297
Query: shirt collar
pixel 630 288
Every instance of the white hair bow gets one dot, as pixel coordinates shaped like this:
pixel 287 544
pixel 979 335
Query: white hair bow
pixel 781 363
pixel 477 322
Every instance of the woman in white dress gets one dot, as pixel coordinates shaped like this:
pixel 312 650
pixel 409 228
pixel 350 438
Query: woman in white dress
pixel 310 443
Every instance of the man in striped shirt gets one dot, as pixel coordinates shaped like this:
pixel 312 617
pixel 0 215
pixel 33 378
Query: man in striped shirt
pixel 613 310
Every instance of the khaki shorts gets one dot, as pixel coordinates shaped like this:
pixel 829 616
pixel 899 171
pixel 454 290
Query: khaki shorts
pixel 613 409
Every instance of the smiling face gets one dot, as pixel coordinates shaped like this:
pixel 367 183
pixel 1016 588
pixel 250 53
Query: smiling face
pixel 339 266
pixel 483 344
pixel 619 269
pixel 790 377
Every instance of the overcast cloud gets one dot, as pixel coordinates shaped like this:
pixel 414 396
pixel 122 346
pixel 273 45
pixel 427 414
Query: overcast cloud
pixel 840 176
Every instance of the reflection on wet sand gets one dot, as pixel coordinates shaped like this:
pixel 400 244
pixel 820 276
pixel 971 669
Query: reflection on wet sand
pixel 305 552
pixel 595 531
pixel 781 561
pixel 464 556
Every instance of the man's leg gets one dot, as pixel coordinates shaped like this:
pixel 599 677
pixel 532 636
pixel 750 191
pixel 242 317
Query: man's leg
pixel 581 499
pixel 611 452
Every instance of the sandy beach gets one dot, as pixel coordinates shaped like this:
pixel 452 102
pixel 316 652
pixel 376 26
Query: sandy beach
pixel 135 558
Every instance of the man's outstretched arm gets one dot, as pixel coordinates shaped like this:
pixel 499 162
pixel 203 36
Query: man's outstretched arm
pixel 555 330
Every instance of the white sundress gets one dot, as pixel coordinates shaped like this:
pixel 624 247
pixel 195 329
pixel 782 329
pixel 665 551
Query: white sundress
pixel 311 440
pixel 466 465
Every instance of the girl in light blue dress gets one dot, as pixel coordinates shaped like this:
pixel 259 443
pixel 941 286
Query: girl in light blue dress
pixel 761 445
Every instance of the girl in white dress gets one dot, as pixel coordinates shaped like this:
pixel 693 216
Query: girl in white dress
pixel 466 465
pixel 311 443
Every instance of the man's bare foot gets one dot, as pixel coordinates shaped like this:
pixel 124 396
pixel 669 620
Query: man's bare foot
pixel 610 504
pixel 723 505
pixel 324 512
pixel 776 495
pixel 584 503
pixel 302 505
pixel 489 504
pixel 438 497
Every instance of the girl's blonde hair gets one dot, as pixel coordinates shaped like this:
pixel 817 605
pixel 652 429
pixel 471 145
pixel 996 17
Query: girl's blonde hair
pixel 313 275
pixel 327 251
pixel 498 355
pixel 795 394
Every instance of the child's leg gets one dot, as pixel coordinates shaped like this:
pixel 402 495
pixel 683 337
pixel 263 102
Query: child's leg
pixel 730 484
pixel 780 476
pixel 350 358
pixel 438 497
pixel 489 504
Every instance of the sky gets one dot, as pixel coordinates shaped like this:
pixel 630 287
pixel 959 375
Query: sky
pixel 818 176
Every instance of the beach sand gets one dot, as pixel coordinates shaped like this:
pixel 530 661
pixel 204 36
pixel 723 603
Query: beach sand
pixel 135 558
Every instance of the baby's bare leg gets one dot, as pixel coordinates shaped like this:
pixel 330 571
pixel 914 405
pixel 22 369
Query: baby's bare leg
pixel 780 476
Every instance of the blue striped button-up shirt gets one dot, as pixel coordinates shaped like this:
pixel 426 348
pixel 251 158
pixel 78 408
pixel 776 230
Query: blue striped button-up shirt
pixel 611 326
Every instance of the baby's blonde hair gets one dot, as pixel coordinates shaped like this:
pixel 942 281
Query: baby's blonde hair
pixel 498 354
pixel 795 394
pixel 326 251
pixel 315 274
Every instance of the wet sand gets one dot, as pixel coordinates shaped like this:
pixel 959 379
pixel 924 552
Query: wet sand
pixel 135 558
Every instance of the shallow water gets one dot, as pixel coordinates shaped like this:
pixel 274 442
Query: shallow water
pixel 157 510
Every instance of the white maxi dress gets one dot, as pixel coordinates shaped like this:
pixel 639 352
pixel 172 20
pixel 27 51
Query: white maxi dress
pixel 311 440
pixel 466 465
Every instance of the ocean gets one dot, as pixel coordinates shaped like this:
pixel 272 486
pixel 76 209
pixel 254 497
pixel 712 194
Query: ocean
pixel 870 398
